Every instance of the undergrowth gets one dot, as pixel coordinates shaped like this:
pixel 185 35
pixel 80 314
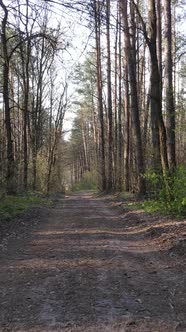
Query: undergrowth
pixel 11 206
pixel 169 193
pixel 88 182
pixel 150 206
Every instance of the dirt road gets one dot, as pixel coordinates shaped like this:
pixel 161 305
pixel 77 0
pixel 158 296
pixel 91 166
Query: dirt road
pixel 86 267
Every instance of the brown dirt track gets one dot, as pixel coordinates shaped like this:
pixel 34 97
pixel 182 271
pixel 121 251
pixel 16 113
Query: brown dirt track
pixel 88 267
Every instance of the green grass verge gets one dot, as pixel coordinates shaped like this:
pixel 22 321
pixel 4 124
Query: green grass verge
pixel 147 206
pixel 152 206
pixel 11 206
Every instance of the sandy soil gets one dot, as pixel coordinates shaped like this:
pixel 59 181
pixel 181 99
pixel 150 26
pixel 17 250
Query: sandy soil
pixel 88 267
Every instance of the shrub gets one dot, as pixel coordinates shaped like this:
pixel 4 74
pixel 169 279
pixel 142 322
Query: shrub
pixel 170 190
pixel 88 182
pixel 10 206
pixel 178 191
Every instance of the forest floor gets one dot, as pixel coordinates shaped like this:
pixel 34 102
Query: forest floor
pixel 85 264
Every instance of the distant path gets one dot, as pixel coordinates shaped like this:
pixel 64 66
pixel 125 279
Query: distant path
pixel 85 268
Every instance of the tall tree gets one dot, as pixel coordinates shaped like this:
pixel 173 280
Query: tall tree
pixel 97 21
pixel 120 109
pixel 129 54
pixel 10 174
pixel 25 53
pixel 159 138
pixel 170 105
pixel 109 100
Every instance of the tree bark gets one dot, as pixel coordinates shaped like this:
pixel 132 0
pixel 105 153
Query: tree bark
pixel 127 127
pixel 170 106
pixel 100 94
pixel 120 137
pixel 158 127
pixel 109 100
pixel 10 173
pixel 134 99
pixel 115 173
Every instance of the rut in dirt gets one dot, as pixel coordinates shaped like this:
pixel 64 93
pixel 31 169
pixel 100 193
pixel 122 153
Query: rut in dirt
pixel 85 268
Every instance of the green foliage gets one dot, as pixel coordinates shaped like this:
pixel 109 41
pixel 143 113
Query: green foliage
pixel 170 191
pixel 148 206
pixel 154 184
pixel 153 179
pixel 177 196
pixel 88 182
pixel 10 206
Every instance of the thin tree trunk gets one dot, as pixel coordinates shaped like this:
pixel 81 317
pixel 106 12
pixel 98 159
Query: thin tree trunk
pixel 26 101
pixel 120 150
pixel 116 108
pixel 100 94
pixel 10 173
pixel 159 39
pixel 170 106
pixel 127 128
pixel 109 100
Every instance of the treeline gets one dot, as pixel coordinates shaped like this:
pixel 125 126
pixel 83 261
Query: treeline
pixel 130 100
pixel 131 118
pixel 33 98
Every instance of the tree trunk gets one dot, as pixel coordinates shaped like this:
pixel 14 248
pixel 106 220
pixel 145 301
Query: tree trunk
pixel 100 94
pixel 134 100
pixel 158 127
pixel 170 106
pixel 127 128
pixel 120 137
pixel 26 101
pixel 115 174
pixel 159 39
pixel 10 173
pixel 109 100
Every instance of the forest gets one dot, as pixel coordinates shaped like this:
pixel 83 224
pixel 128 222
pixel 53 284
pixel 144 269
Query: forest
pixel 111 119
pixel 92 165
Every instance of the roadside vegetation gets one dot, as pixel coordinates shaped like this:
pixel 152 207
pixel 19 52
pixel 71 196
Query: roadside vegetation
pixel 165 195
pixel 87 182
pixel 169 192
pixel 11 206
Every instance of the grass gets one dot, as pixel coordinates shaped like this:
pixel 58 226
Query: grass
pixel 11 206
pixel 147 206
pixel 125 195
pixel 152 206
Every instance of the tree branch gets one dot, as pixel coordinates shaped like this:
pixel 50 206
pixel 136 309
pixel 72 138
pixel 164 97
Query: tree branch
pixel 37 35
pixel 143 24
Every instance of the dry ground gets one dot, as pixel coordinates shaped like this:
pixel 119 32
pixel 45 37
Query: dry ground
pixel 88 267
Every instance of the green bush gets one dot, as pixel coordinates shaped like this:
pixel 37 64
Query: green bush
pixel 178 191
pixel 88 182
pixel 170 190
pixel 10 206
